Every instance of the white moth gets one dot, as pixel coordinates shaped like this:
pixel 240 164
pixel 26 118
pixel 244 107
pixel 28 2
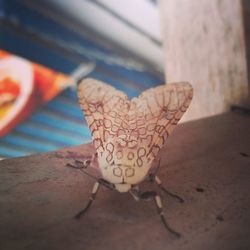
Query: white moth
pixel 128 134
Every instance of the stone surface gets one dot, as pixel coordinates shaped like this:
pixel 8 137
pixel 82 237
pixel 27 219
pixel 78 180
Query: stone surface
pixel 204 45
pixel 207 162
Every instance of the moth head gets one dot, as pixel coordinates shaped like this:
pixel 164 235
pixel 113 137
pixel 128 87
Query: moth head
pixel 122 171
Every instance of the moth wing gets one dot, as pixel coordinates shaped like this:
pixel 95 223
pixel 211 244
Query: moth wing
pixel 102 105
pixel 161 108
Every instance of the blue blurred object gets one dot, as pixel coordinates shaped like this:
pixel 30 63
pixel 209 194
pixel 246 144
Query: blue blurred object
pixel 60 123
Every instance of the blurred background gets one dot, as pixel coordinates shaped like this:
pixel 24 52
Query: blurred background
pixel 46 45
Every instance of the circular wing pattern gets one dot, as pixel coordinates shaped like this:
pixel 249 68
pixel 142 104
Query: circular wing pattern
pixel 132 132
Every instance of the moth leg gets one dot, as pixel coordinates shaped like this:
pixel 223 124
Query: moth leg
pixel 91 199
pixel 157 180
pixel 135 193
pixel 80 164
pixel 149 195
pixel 158 204
pixel 106 184
pixel 86 163
pixel 83 164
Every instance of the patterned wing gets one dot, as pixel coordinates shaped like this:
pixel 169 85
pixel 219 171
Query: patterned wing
pixel 103 107
pixel 132 132
pixel 158 111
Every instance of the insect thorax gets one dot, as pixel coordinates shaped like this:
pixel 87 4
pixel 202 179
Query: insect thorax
pixel 124 162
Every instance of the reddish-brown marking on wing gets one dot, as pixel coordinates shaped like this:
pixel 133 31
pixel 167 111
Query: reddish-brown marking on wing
pixel 136 130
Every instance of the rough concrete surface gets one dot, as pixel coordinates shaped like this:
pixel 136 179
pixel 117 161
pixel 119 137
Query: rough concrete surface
pixel 207 162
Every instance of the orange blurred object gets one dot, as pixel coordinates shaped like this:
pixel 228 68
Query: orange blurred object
pixel 48 83
pixel 23 87
pixel 9 90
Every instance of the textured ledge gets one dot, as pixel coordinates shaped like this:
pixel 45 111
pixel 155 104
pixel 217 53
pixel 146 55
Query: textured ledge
pixel 207 162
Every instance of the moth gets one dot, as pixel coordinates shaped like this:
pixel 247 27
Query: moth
pixel 129 134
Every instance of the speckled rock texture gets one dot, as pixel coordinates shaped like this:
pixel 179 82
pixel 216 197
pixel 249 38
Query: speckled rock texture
pixel 206 162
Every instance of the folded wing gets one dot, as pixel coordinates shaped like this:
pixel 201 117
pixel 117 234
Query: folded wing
pixel 141 125
pixel 161 108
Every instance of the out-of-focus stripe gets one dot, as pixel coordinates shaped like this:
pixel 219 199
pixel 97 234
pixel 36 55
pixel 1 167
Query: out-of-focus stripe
pixel 118 85
pixel 142 78
pixel 7 150
pixel 38 131
pixel 61 124
pixel 28 144
pixel 58 106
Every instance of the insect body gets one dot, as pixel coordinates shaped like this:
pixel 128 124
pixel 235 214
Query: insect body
pixel 128 134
